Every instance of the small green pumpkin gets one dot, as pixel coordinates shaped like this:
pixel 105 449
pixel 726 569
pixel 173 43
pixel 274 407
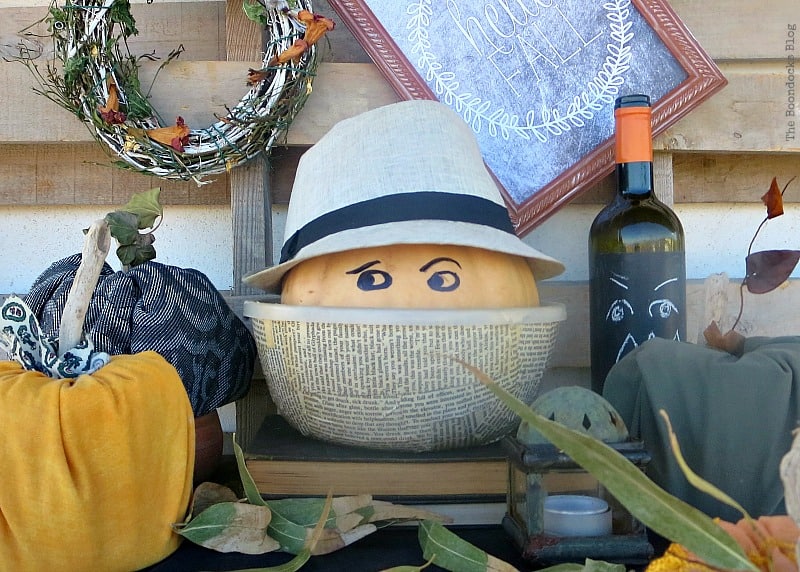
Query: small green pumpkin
pixel 580 409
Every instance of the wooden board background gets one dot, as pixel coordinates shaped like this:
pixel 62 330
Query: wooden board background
pixel 41 144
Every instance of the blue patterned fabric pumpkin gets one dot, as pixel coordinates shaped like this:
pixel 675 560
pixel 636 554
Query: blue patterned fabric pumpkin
pixel 176 312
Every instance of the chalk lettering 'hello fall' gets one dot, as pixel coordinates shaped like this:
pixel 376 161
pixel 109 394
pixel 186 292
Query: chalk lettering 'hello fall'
pixel 513 35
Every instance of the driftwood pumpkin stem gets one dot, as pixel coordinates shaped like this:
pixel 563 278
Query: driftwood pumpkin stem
pixel 95 250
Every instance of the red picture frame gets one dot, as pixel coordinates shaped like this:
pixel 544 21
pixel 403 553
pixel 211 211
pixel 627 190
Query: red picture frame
pixel 662 57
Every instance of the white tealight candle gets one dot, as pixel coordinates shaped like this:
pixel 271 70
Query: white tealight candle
pixel 576 515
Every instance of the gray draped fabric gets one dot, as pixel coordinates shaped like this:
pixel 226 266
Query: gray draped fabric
pixel 733 416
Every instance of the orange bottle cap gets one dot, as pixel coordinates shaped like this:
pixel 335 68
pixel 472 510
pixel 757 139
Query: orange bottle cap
pixel 634 139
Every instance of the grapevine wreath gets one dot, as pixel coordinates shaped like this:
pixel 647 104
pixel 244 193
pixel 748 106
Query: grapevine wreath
pixel 94 76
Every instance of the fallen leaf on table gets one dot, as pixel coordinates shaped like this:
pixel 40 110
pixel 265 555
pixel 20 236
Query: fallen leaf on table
pixel 231 527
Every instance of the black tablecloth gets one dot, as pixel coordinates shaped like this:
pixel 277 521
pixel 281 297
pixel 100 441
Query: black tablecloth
pixel 383 549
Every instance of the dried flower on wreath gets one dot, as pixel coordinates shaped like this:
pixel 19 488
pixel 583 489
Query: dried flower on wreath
pixel 94 76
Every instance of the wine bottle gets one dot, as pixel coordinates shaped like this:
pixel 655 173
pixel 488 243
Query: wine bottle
pixel 637 263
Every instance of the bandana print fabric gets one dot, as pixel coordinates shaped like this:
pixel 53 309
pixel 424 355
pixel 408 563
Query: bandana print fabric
pixel 23 341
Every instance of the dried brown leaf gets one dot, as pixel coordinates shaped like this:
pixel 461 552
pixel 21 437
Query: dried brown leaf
pixel 207 494
pixel 773 199
pixel 768 269
pixel 731 342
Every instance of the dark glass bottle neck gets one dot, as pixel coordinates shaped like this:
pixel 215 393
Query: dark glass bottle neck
pixel 635 178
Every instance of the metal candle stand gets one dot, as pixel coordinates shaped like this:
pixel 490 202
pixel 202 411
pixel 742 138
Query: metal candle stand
pixel 537 470
pixel 540 470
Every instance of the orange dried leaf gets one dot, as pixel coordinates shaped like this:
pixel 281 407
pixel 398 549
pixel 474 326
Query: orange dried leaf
pixel 256 76
pixel 305 16
pixel 176 136
pixel 295 51
pixel 316 27
pixel 773 198
pixel 110 111
pixel 731 342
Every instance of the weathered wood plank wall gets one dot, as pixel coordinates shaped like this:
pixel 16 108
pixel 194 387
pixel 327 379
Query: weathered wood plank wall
pixel 725 151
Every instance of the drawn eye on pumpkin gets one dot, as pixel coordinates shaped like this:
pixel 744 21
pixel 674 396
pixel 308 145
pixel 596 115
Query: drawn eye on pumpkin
pixel 369 278
pixel 620 308
pixel 662 307
pixel 442 280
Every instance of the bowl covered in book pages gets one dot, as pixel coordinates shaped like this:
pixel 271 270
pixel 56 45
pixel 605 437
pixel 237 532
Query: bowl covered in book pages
pixel 395 378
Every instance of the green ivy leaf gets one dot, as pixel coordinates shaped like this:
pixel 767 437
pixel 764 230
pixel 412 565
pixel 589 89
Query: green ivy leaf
pixel 120 13
pixel 126 254
pixel 123 226
pixel 255 12
pixel 146 207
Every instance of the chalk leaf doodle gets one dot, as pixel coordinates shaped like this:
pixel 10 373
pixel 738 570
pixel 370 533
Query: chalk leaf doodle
pixel 765 270
pixel 551 121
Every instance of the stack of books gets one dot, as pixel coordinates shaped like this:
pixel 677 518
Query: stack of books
pixel 467 485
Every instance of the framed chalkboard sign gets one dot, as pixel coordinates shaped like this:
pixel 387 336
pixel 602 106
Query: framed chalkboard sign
pixel 536 79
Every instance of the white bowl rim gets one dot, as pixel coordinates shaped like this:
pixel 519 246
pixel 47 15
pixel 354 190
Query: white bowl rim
pixel 546 313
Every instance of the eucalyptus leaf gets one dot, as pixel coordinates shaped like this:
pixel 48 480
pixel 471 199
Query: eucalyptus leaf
pixel 588 566
pixel 386 511
pixel 694 479
pixel 408 568
pixel 248 484
pixel 667 515
pixel 231 527
pixel 332 539
pixel 291 536
pixel 306 511
pixel 447 550
pixel 292 565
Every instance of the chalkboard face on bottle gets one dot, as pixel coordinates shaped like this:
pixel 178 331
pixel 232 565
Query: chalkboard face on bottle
pixel 537 79
pixel 639 297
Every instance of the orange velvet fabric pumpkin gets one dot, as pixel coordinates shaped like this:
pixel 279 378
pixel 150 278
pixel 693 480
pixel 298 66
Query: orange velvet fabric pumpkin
pixel 412 276
pixel 95 469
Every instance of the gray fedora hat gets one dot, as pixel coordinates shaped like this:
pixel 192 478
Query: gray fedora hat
pixel 406 173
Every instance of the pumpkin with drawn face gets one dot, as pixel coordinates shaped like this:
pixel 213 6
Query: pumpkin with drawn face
pixel 412 276
pixel 400 258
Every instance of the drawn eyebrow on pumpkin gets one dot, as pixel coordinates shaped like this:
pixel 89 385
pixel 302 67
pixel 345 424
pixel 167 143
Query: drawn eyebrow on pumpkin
pixel 618 280
pixel 362 267
pixel 664 283
pixel 427 265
